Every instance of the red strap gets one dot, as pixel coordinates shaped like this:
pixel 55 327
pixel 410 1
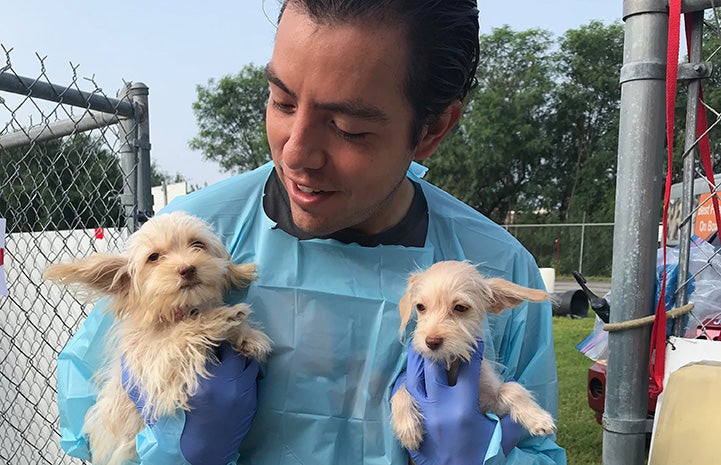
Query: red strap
pixel 2 256
pixel 657 356
pixel 705 151
pixel 702 133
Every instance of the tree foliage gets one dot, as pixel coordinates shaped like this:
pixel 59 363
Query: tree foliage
pixel 231 118
pixel 492 156
pixel 62 184
pixel 584 124
pixel 68 183
pixel 540 131
pixel 158 177
pixel 538 140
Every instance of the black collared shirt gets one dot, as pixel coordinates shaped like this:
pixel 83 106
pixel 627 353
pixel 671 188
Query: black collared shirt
pixel 410 232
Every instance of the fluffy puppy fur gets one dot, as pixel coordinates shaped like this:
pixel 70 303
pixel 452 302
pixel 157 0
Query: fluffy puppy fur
pixel 450 300
pixel 166 293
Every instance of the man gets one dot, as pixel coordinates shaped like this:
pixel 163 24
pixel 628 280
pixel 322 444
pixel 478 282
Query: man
pixel 358 90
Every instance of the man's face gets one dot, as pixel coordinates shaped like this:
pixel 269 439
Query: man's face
pixel 339 124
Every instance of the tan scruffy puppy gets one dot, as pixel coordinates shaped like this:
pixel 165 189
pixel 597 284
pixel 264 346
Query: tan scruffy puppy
pixel 451 298
pixel 166 293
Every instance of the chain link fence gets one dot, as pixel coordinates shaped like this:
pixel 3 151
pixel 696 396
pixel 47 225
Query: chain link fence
pixel 74 179
pixel 699 259
pixel 567 247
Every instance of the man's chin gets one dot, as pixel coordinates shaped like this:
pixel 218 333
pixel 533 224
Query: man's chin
pixel 314 226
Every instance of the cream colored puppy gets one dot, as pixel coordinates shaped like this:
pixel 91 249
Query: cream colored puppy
pixel 450 299
pixel 166 293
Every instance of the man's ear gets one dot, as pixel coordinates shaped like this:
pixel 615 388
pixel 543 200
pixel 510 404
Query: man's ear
pixel 435 131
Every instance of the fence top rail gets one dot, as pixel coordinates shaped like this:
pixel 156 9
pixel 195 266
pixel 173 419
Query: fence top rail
pixel 13 83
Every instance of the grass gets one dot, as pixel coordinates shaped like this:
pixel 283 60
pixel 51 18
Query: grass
pixel 578 431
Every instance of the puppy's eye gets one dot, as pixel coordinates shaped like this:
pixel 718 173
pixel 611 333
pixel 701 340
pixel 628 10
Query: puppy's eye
pixel 197 245
pixel 460 308
pixel 420 307
pixel 153 257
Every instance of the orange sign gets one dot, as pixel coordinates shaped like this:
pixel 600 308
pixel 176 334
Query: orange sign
pixel 705 218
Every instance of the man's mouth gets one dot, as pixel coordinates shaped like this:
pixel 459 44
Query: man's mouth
pixel 308 190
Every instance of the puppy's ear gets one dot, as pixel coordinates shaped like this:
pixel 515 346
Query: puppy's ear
pixel 241 275
pixel 100 273
pixel 405 306
pixel 508 295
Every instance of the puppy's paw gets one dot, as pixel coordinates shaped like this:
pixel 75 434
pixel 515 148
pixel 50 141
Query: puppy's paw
pixel 518 401
pixel 538 422
pixel 252 343
pixel 406 419
pixel 237 314
pixel 256 345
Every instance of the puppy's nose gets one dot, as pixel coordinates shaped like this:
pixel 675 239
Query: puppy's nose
pixel 187 272
pixel 434 342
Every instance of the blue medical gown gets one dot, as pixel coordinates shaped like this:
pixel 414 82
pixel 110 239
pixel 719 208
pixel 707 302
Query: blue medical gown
pixel 331 310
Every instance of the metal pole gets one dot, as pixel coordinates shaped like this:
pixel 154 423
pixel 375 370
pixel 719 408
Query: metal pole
pixel 583 235
pixel 689 161
pixel 72 125
pixel 135 157
pixel 128 164
pixel 11 82
pixel 139 96
pixel 638 197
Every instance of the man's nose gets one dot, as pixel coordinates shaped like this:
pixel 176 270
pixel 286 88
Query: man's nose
pixel 304 148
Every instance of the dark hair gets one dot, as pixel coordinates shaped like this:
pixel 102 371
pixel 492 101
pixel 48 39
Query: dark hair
pixel 443 45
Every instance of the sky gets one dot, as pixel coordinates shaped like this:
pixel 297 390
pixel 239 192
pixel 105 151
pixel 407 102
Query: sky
pixel 174 46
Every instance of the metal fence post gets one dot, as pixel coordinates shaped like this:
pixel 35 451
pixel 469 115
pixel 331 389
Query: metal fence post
pixel 638 188
pixel 135 157
pixel 139 94
pixel 583 238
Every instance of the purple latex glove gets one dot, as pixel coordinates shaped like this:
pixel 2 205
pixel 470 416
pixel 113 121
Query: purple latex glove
pixel 456 432
pixel 221 410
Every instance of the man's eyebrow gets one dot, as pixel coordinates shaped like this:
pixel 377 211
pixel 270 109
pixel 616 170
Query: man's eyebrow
pixel 356 109
pixel 273 78
pixel 352 108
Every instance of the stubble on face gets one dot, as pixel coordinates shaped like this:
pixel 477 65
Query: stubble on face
pixel 317 69
pixel 370 220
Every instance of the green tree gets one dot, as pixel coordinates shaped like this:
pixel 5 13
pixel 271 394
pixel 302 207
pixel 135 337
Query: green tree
pixel 494 153
pixel 158 177
pixel 578 179
pixel 231 118
pixel 584 125
pixel 68 183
